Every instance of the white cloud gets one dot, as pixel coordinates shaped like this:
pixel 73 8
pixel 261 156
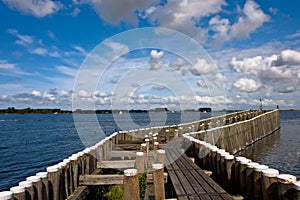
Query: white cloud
pixel 253 18
pixel 183 15
pixel 220 78
pixel 203 67
pixel 114 11
pixel 6 66
pixel 216 100
pixel 251 66
pixel 177 64
pixel 36 8
pixel 119 49
pixel 40 51
pixel 36 93
pixel 290 57
pixel 295 35
pixel 246 85
pixel 156 59
pixel 67 70
pixel 156 54
pixel 24 40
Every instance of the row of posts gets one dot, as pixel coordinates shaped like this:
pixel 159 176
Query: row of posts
pixel 145 165
pixel 239 175
pixel 57 182
pixel 61 180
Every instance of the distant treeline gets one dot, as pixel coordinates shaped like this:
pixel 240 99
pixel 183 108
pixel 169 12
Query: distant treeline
pixel 12 110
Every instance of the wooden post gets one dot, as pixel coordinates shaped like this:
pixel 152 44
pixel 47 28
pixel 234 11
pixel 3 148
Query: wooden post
pixel 45 186
pixel 158 181
pixel 214 160
pixel 218 171
pixel 242 172
pixel 237 172
pixel 37 186
pixel 28 189
pixel 229 173
pixel 257 185
pixel 223 171
pixel 249 179
pixel 53 178
pixel 143 147
pixel 18 193
pixel 155 146
pixel 6 195
pixel 285 186
pixel 269 184
pixel 296 190
pixel 160 156
pixel 74 176
pixel 131 185
pixel 140 162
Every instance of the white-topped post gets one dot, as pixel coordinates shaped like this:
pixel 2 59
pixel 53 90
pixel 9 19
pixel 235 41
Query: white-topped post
pixel 296 188
pixel 45 185
pixel 257 182
pixel 160 156
pixel 18 192
pixel 28 189
pixel 6 195
pixel 269 184
pixel 229 173
pixel 131 184
pixel 249 179
pixel 37 186
pixel 54 180
pixel 285 186
pixel 158 181
pixel 140 162
pixel 237 172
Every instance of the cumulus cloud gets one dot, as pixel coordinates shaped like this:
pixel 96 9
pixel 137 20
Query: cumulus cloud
pixel 220 78
pixel 289 57
pixel 183 15
pixel 253 18
pixel 114 11
pixel 36 8
pixel 156 59
pixel 177 64
pixel 246 85
pixel 203 67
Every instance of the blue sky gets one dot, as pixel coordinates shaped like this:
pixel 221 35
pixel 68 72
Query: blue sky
pixel 251 51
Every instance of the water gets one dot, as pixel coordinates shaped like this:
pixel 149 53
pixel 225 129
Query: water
pixel 30 143
pixel 280 150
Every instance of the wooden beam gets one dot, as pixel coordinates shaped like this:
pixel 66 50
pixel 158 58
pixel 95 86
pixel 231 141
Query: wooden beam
pixel 118 164
pixel 109 179
pixel 121 154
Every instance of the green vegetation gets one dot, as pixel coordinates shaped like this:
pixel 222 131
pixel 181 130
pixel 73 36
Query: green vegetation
pixel 12 110
pixel 115 192
pixel 142 185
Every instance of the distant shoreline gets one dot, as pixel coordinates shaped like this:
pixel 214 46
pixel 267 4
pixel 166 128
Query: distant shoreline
pixel 12 110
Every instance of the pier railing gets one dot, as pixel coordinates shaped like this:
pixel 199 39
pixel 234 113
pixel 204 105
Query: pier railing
pixel 212 142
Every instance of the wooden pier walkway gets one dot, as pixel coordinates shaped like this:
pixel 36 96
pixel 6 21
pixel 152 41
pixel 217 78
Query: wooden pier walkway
pixel 190 181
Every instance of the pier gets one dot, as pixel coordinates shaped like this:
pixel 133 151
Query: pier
pixel 196 160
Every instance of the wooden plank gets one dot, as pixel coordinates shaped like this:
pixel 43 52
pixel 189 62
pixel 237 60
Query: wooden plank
pixel 110 179
pixel 118 164
pixel 121 154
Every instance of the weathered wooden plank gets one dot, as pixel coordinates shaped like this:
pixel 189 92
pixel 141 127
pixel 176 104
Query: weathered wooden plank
pixel 119 164
pixel 121 154
pixel 110 179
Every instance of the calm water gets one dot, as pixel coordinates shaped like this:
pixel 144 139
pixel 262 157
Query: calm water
pixel 30 143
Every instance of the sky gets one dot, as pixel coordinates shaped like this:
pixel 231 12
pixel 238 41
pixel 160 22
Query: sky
pixel 133 54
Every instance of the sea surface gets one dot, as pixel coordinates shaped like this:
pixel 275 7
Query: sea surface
pixel 31 142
